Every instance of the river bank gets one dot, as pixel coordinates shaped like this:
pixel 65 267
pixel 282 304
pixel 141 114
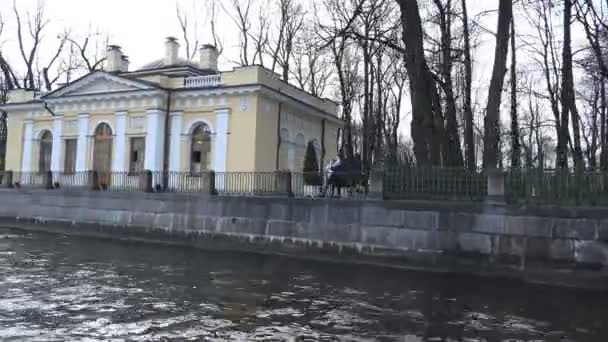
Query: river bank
pixel 557 246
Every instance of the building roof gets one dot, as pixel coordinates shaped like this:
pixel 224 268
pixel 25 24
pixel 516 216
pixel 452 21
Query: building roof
pixel 160 63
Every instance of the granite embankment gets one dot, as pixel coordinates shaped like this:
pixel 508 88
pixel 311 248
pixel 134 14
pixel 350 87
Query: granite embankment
pixel 558 246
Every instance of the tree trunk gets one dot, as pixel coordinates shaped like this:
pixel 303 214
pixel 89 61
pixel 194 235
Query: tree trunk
pixel 568 98
pixel 515 147
pixel 491 127
pixel 604 155
pixel 453 148
pixel 469 141
pixel 423 91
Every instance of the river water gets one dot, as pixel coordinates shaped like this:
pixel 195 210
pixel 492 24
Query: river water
pixel 58 288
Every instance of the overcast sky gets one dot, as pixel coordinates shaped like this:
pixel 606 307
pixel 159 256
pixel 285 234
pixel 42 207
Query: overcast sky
pixel 140 27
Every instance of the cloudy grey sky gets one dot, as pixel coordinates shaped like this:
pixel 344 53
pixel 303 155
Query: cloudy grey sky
pixel 139 26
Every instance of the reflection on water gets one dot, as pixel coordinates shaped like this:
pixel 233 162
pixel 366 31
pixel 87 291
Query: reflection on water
pixel 55 288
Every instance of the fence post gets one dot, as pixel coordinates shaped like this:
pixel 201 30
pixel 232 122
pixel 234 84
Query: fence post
pixel 282 180
pixel 376 184
pixel 47 180
pixel 94 180
pixel 289 184
pixel 8 179
pixel 145 181
pixel 496 186
pixel 212 189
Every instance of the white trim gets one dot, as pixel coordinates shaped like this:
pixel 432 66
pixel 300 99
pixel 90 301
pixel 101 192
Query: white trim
pixel 222 118
pixel 119 162
pixel 82 143
pixel 95 76
pixel 192 126
pixel 97 123
pixel 155 137
pixel 28 137
pixel 57 148
pixel 40 133
pixel 175 153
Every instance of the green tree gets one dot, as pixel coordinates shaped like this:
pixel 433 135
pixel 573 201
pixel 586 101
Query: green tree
pixel 312 176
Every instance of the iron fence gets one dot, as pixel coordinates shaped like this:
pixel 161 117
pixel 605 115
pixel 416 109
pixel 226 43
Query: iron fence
pixel 521 187
pixel 557 187
pixel 120 181
pixel 75 180
pixel 434 183
pixel 252 183
pixel 29 179
pixel 193 182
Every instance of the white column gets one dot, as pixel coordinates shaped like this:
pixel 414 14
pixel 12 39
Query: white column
pixel 57 150
pixel 222 117
pixel 290 156
pixel 82 143
pixel 155 137
pixel 120 164
pixel 175 151
pixel 28 140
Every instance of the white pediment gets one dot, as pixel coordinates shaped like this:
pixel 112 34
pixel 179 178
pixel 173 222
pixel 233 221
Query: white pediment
pixel 99 83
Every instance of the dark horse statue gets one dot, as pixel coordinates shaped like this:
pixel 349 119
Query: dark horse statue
pixel 347 174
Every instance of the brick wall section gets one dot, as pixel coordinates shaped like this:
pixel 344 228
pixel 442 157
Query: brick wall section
pixel 551 245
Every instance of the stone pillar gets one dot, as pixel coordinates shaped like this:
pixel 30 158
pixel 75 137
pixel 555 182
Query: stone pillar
pixel 82 144
pixel 57 149
pixel 145 181
pixel 222 118
pixel 119 164
pixel 376 184
pixel 155 137
pixel 496 186
pixel 7 180
pixel 175 151
pixel 28 140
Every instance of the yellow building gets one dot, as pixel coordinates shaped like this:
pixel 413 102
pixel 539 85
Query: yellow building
pixel 172 114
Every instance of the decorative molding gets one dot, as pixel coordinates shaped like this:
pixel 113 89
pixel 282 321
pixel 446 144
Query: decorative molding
pixel 102 78
pixel 111 102
pixel 244 103
pixel 137 122
pixel 71 126
pixel 192 125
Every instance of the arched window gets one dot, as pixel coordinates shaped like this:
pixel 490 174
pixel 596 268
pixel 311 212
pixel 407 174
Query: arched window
pixel 102 150
pixel 46 148
pixel 200 153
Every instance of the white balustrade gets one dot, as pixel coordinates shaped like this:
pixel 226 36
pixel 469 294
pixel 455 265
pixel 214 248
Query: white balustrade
pixel 204 81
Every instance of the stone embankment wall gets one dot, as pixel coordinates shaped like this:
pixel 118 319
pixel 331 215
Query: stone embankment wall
pixel 550 245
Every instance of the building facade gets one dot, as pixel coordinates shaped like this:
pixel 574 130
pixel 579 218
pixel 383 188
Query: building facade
pixel 172 114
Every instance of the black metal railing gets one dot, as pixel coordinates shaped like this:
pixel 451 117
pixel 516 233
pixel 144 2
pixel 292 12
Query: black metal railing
pixel 557 187
pixel 539 187
pixel 29 179
pixel 75 180
pixel 434 183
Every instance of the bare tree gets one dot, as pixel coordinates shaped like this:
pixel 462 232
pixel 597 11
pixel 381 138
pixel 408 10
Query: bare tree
pixel 568 97
pixel 90 48
pixel 491 125
pixel 240 13
pixel 312 67
pixel 189 33
pixel 426 113
pixel 453 148
pixel 469 142
pixel 515 135
pixel 290 25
